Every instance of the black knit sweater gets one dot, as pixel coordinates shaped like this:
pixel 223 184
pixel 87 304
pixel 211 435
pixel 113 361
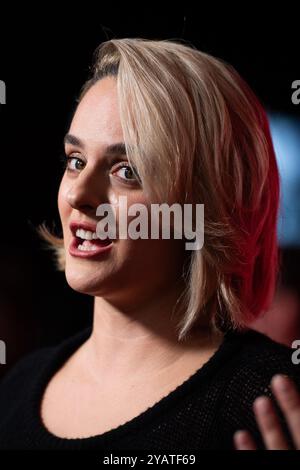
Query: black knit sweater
pixel 201 413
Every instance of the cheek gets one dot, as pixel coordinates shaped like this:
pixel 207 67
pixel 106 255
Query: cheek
pixel 159 260
pixel 122 208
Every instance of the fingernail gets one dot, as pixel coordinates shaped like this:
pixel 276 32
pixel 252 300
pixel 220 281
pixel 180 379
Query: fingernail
pixel 262 404
pixel 281 382
pixel 241 435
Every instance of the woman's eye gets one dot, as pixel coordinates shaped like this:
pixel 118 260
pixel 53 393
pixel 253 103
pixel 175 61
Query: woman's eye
pixel 125 172
pixel 74 163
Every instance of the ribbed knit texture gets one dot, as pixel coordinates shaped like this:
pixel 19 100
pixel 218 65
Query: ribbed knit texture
pixel 201 413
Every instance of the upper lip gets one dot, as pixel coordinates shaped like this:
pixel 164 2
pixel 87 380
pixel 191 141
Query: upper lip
pixel 74 226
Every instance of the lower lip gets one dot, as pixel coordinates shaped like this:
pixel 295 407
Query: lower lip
pixel 101 249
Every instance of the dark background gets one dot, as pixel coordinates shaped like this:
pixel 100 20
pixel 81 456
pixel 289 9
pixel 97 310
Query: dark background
pixel 45 57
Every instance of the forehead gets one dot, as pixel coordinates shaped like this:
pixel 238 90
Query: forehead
pixel 97 117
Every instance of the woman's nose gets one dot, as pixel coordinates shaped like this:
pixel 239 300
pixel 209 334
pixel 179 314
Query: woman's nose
pixel 87 191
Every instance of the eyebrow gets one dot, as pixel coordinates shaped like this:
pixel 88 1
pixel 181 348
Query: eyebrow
pixel 115 149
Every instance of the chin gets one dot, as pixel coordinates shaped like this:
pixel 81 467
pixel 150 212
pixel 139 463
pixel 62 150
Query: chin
pixel 87 279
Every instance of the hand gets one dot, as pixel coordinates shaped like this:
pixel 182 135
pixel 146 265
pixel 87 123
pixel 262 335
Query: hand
pixel 288 399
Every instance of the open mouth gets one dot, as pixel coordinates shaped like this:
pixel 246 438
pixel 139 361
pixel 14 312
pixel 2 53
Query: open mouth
pixel 89 241
pixel 85 242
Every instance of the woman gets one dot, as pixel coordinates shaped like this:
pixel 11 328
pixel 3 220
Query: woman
pixel 169 362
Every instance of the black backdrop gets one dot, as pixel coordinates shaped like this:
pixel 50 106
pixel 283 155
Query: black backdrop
pixel 44 59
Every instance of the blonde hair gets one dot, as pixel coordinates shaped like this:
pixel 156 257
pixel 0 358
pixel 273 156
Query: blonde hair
pixel 197 130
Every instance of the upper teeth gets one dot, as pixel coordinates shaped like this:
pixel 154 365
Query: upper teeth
pixel 86 234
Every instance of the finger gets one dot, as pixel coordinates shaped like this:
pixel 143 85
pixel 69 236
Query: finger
pixel 243 441
pixel 288 398
pixel 269 424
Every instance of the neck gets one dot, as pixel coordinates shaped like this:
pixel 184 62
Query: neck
pixel 139 341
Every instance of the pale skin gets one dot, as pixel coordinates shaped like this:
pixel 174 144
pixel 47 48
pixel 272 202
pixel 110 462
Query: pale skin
pixel 133 357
